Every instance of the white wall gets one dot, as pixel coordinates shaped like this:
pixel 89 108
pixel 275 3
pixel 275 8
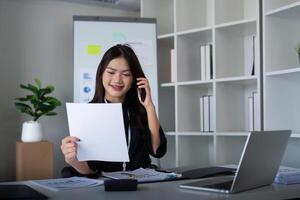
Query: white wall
pixel 36 40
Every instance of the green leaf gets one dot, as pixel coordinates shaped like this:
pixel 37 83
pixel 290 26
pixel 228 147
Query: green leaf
pixel 38 82
pixel 31 88
pixel 24 108
pixel 22 99
pixel 50 87
pixel 52 101
pixel 51 113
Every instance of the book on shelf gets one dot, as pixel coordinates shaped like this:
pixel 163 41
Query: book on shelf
pixel 202 62
pixel 206 66
pixel 249 54
pixel 253 112
pixel 172 67
pixel 256 111
pixel 206 113
pixel 208 61
pixel 201 114
pixel 250 114
pixel 211 114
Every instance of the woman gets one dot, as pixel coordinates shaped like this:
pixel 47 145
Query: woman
pixel 120 79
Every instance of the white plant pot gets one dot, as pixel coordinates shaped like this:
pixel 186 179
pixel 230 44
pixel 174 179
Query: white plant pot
pixel 31 131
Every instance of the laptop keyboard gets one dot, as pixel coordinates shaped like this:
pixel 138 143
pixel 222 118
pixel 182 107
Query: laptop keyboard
pixel 222 186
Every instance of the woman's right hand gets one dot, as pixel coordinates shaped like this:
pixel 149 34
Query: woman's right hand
pixel 69 149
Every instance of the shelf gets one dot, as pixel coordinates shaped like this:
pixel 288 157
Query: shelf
pixel 244 80
pixel 208 30
pixel 278 6
pixel 285 10
pixel 237 24
pixel 201 134
pixel 284 72
pixel 195 134
pixel 196 83
pixel 234 134
pixel 231 28
pixel 170 35
pixel 171 133
pixel 167 84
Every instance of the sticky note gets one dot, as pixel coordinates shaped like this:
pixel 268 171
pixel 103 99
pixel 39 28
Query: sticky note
pixel 94 49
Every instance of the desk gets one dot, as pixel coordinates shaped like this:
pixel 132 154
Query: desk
pixel 171 190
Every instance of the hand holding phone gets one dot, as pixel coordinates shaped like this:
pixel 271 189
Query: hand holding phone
pixel 143 94
pixel 142 84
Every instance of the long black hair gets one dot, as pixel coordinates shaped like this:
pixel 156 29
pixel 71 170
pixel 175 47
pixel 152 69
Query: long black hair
pixel 136 110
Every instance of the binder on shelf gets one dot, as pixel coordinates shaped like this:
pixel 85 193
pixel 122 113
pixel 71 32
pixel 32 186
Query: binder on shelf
pixel 207 123
pixel 249 54
pixel 250 114
pixel 254 53
pixel 256 111
pixel 253 112
pixel 172 67
pixel 206 65
pixel 211 114
pixel 206 113
pixel 208 62
pixel 202 62
pixel 201 115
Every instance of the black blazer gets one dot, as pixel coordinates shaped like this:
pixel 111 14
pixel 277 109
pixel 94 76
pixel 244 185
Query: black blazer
pixel 139 149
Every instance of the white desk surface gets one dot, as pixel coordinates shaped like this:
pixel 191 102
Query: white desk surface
pixel 171 190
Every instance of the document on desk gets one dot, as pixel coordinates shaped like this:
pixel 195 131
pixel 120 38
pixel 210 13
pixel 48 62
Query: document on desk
pixel 67 183
pixel 287 175
pixel 100 128
pixel 142 175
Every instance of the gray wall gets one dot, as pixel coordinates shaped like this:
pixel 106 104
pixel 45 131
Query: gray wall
pixel 36 41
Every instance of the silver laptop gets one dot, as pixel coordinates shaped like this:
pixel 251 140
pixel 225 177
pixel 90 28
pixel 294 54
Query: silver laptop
pixel 258 165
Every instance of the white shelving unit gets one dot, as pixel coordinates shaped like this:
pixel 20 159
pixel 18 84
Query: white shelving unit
pixel 282 71
pixel 184 26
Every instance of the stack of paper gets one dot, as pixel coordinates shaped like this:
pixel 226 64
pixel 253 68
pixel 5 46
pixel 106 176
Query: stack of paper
pixel 67 183
pixel 142 175
pixel 288 175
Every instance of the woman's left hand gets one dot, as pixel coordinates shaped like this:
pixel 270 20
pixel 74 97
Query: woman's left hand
pixel 142 83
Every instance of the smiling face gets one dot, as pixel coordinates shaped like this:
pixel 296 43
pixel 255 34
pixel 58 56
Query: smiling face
pixel 117 80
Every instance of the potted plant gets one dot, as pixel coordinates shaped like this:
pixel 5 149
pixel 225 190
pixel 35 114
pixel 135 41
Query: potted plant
pixel 36 104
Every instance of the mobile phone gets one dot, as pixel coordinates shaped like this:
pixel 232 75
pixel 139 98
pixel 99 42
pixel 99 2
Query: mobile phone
pixel 143 94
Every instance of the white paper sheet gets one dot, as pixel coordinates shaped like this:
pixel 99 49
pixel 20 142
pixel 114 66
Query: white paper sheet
pixel 100 128
pixel 67 183
pixel 142 175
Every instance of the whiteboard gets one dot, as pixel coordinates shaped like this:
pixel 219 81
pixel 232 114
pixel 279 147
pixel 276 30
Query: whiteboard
pixel 93 36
